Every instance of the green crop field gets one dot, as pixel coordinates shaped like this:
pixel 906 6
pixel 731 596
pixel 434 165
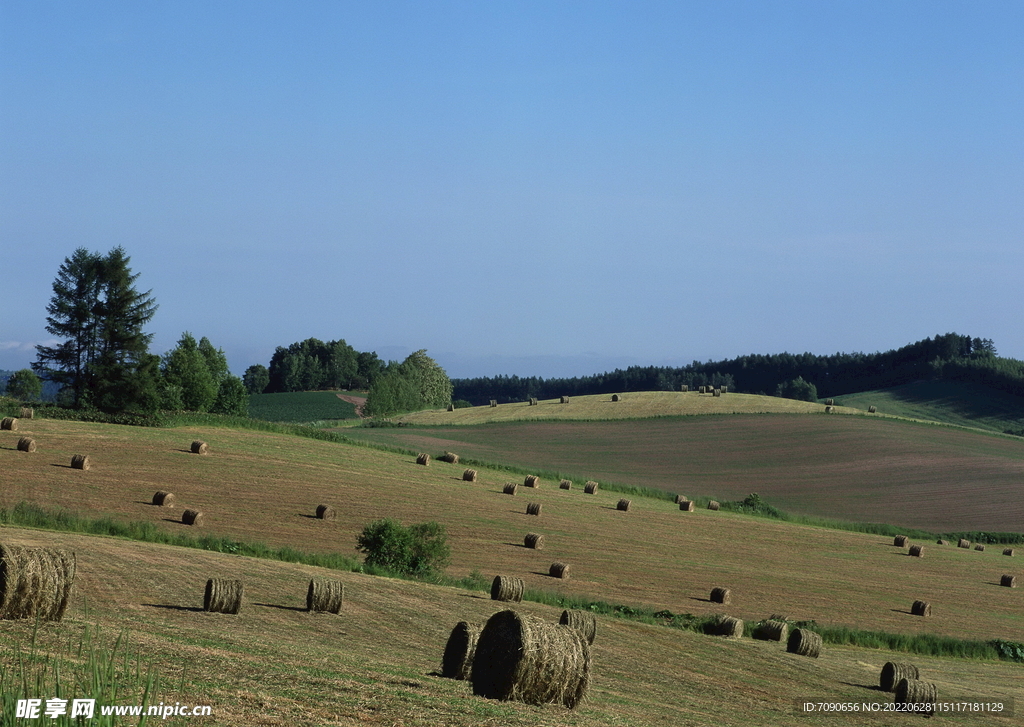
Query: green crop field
pixel 300 406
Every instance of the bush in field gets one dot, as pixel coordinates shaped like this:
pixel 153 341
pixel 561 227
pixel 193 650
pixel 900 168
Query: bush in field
pixel 797 389
pixel 420 550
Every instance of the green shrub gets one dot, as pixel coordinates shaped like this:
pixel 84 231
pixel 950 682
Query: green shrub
pixel 420 550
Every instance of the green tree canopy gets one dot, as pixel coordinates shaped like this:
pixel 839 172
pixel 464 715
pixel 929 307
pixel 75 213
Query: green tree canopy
pixel 189 384
pixel 256 378
pixel 25 385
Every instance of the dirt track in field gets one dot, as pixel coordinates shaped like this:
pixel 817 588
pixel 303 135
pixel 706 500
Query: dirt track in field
pixel 357 401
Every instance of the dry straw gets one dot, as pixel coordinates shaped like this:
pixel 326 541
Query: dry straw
pixel 1008 551
pixel 914 691
pixel 714 505
pixel 27 413
pixel 192 517
pixel 979 546
pixel 963 543
pixel 717 392
pixel 615 397
pixel 804 643
pixel 872 409
pixel 921 608
pixel 507 588
pixel 830 402
pixel 563 400
pixel 325 512
pixel 684 388
pixel 532 481
pixel 423 458
pixel 325 595
pixel 162 498
pixel 917 551
pixel 457 662
pixel 36 582
pixel 200 447
pixel 728 626
pixel 449 457
pixel 510 488
pixel 1008 581
pixel 940 541
pixel 533 401
pixel 26 444
pixel 623 505
pixel 9 424
pixel 830 409
pixel 687 505
pixel 565 485
pixel 583 621
pixel 451 407
pixel 494 403
pixel 80 462
pixel 725 389
pixel 559 570
pixel 223 595
pixel 534 540
pixel 522 658
pixel 590 487
pixel 469 475
pixel 771 630
pixel 533 508
pixel 893 671
pixel 900 541
pixel 681 498
pixel 721 595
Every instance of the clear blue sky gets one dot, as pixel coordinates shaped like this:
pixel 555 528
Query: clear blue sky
pixel 549 188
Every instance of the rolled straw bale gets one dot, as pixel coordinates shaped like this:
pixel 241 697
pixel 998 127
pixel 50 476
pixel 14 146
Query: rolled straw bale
pixel 494 403
pixel 200 447
pixel 533 401
pixel 917 551
pixel 684 388
pixel 721 595
pixel 451 407
pixel 449 457
pixel 223 595
pixel 771 631
pixel 830 409
pixel 583 621
pixel 510 488
pixel 703 389
pixel 469 475
pixel 623 505
pixel 563 400
pixel 565 485
pixel 1008 581
pixel 423 458
pixel 804 643
pixel 192 517
pixel 893 671
pixel 534 540
pixel 457 662
pixel 615 397
pixel 681 498
pixel 940 541
pixel 325 595
pixel 80 462
pixel 728 626
pixel 830 402
pixel 27 413
pixel 900 541
pixel 532 481
pixel 162 498
pixel 507 588
pixel 533 508
pixel 915 692
pixel 979 546
pixel 522 658
pixel 590 487
pixel 9 424
pixel 725 389
pixel 1008 551
pixel 963 543
pixel 872 409
pixel 921 608
pixel 559 570
pixel 35 582
pixel 717 392
pixel 325 512
pixel 714 505
pixel 687 505
pixel 26 444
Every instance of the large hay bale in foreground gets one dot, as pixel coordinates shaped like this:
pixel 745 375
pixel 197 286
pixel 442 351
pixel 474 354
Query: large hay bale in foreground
pixel 507 588
pixel 565 485
pixel 162 498
pixel 534 540
pixel 771 630
pixel 1008 551
pixel 449 457
pixel 921 608
pixel 192 517
pixel 624 505
pixel 728 626
pixel 200 447
pixel 325 512
pixel 893 671
pixel 532 481
pixel 457 662
pixel 325 595
pixel 910 692
pixel 721 595
pixel 1008 581
pixel 900 541
pixel 979 546
pixel 510 488
pixel 223 595
pixel 9 424
pixel 423 458
pixel 963 543
pixel 804 643
pixel 80 462
pixel 35 582
pixel 469 475
pixel 590 487
pixel 26 444
pixel 583 621
pixel 533 508
pixel 917 551
pixel 522 658
pixel 687 505
pixel 559 570
pixel 714 505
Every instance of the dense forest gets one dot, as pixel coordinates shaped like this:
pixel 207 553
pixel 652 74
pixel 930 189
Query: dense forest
pixel 950 356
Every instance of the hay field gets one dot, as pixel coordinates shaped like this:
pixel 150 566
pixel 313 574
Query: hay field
pixel 857 468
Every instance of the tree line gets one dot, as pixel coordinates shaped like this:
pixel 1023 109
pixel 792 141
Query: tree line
pixel 313 365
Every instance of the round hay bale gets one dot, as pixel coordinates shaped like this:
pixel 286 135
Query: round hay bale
pixel 563 400
pixel 325 512
pixel 325 595
pixel 510 488
pixel 559 570
pixel 963 543
pixel 728 626
pixel 200 447
pixel 714 505
pixel 423 458
pixel 565 485
pixel 893 671
pixel 533 508
pixel 27 413
pixel 703 389
pixel 532 481
pixel 583 621
pixel 494 403
pixel 192 517
pixel 457 662
pixel 940 541
pixel 162 498
pixel 9 424
pixel 830 402
pixel 687 505
pixel 681 498
pixel 872 409
pixel 721 595
pixel 830 410
pixel 522 658
pixel 623 505
pixel 804 643
pixel 1008 581
pixel 223 595
pixel 717 392
pixel 615 397
pixel 449 457
pixel 921 608
pixel 533 401
pixel 507 588
pixel 915 692
pixel 900 541
pixel 684 388
pixel 469 475
pixel 26 444
pixel 35 582
pixel 80 462
pixel 590 487
pixel 979 546
pixel 771 630
pixel 917 551
pixel 1008 551
pixel 534 540
pixel 451 407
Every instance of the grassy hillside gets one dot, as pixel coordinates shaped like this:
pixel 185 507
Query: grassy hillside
pixel 300 406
